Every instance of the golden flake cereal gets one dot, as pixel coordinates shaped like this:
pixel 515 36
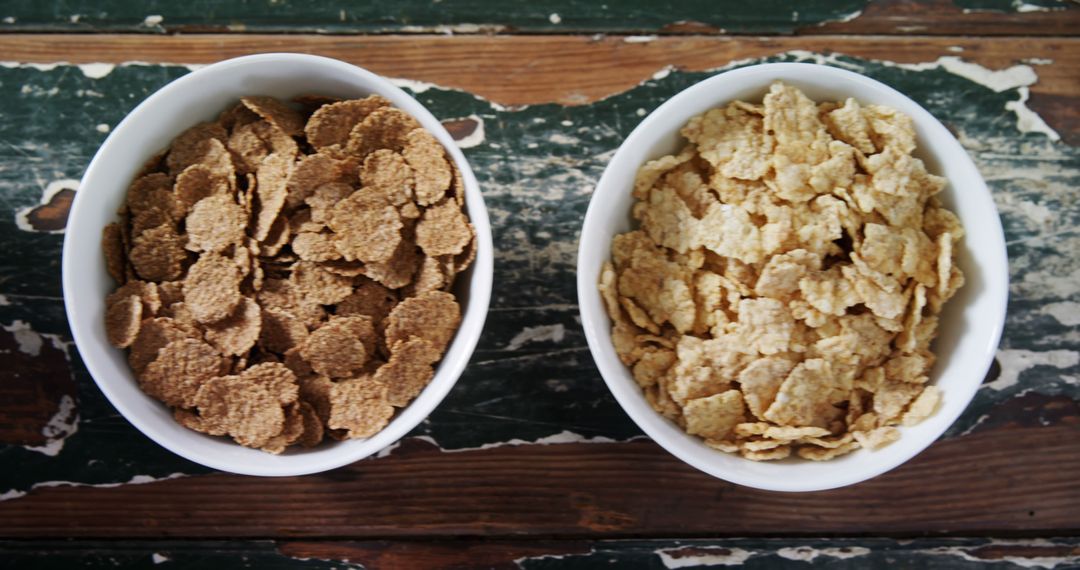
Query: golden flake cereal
pixel 792 260
pixel 282 271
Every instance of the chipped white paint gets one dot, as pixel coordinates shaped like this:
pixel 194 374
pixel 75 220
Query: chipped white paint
pixel 4 302
pixel 1021 6
pixel 22 220
pixel 704 556
pixel 521 561
pixel 29 341
pixel 543 333
pixel 996 80
pixel 9 19
pixel 136 480
pixel 153 20
pixel 555 18
pixel 1038 61
pixel 1018 77
pixel 1022 561
pixel 559 138
pixel 1016 361
pixel 450 30
pixel 63 424
pixel 158 558
pixel 96 70
pixel 1028 121
pixel 102 128
pixel 386 451
pixel 956 49
pixel 474 138
pixel 554 439
pixel 809 553
pixel 639 39
pixel 666 71
pixel 413 85
pixel 1066 312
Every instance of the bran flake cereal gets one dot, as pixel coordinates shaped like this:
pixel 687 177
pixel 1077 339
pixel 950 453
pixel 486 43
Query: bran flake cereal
pixel 284 273
pixel 781 292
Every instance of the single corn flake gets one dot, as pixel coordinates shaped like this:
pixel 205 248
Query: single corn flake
pixel 367 228
pixel 236 334
pixel 334 350
pixel 214 224
pixel 123 318
pixel 443 230
pixel 714 416
pixel 212 288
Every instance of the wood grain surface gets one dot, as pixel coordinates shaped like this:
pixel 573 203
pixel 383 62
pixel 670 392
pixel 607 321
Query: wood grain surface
pixel 529 463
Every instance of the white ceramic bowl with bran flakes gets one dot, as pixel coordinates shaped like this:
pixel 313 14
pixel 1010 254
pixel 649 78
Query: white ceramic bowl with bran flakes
pixel 971 322
pixel 148 129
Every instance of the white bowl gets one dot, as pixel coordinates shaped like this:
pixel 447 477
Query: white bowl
pixel 971 323
pixel 200 96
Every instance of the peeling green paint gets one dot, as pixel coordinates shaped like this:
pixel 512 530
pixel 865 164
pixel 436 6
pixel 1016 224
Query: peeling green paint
pixel 462 16
pixel 537 166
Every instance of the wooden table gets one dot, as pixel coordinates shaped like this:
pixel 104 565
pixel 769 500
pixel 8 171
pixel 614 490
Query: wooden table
pixel 529 462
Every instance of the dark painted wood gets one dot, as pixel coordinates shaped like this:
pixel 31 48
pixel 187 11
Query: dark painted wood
pixel 827 553
pixel 938 17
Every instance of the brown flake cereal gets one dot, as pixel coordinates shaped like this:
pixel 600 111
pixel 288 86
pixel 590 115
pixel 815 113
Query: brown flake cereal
pixel 276 113
pixel 180 369
pixel 212 288
pixel 280 330
pixel 443 230
pixel 215 223
pixel 253 267
pixel 427 158
pixel 315 170
pixel 249 407
pixel 319 285
pixel 388 173
pixel 236 334
pixel 433 316
pixel 714 416
pixel 408 371
pixel 334 350
pixel 271 190
pixel 123 319
pixel 359 405
pixel 367 228
pixel 158 253
pixel 331 124
pixel 386 127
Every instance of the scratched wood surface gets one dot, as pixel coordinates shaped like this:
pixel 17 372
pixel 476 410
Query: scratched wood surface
pixel 529 462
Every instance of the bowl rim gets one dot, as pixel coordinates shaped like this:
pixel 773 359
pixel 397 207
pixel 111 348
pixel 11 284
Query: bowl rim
pixel 597 324
pixel 300 462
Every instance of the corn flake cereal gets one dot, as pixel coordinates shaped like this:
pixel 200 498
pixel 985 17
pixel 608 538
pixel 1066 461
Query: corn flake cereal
pixel 283 273
pixel 793 259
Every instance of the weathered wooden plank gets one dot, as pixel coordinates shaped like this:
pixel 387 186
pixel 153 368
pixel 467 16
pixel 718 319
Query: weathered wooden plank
pixel 926 553
pixel 579 490
pixel 532 378
pixel 1038 17
pixel 572 70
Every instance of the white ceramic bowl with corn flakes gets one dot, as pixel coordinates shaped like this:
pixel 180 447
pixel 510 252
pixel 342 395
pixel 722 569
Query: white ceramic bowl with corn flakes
pixel 774 290
pixel 149 129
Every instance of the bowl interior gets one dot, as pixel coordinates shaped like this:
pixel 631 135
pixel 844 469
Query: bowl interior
pixel 200 96
pixel 970 324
